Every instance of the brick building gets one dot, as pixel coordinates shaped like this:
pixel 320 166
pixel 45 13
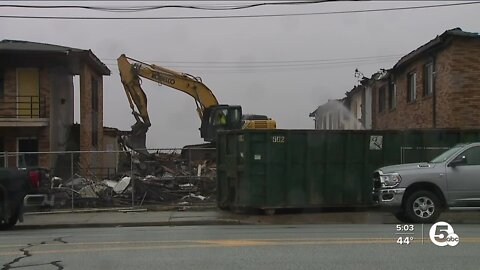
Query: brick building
pixel 37 101
pixel 434 86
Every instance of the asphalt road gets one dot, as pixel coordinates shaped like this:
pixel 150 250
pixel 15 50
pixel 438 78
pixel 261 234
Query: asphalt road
pixel 237 247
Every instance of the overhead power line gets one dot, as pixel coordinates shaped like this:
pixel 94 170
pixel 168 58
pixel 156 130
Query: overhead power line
pixel 113 1
pixel 288 65
pixel 269 62
pixel 211 7
pixel 270 70
pixel 241 16
pixel 273 68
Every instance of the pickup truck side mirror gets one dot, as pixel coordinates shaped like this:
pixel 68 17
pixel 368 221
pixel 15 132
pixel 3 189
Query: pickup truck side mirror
pixel 459 160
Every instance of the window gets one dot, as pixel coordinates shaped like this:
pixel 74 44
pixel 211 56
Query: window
pixel 472 155
pixel 428 79
pixel 220 118
pixel 412 87
pixel 381 99
pixel 392 95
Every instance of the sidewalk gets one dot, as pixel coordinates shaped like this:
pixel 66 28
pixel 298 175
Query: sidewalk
pixel 125 218
pixel 141 217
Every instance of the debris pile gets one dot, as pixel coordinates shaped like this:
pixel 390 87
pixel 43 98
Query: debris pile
pixel 160 178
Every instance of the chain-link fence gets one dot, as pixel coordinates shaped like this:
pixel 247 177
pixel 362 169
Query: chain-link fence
pixel 80 179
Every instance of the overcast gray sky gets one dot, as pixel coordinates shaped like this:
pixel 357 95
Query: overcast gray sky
pixel 287 92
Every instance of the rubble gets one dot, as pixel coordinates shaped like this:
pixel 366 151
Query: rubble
pixel 110 183
pixel 120 187
pixel 160 178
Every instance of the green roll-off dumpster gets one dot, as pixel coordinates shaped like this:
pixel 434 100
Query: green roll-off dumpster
pixel 272 169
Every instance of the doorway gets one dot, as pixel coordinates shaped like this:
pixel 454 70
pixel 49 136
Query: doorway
pixel 28 159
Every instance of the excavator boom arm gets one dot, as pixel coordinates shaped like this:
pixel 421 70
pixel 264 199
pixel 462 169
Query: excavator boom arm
pixel 131 70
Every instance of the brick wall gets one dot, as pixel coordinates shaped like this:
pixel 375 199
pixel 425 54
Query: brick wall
pixel 88 160
pixel 443 82
pixel 457 87
pixel 406 114
pixel 464 91
pixel 10 89
pixel 100 112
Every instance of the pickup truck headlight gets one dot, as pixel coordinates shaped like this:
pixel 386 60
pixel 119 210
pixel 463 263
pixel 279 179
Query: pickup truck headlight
pixel 390 180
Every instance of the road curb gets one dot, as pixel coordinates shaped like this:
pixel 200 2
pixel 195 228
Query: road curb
pixel 135 224
pixel 121 209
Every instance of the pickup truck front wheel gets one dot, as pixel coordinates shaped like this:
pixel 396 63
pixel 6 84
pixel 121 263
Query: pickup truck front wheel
pixel 422 207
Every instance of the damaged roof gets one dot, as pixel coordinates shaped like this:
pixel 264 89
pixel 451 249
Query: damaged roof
pixel 437 41
pixel 329 104
pixel 74 54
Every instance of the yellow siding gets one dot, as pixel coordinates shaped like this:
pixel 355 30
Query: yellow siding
pixel 28 92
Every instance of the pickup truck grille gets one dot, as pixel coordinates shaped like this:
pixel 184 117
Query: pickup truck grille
pixel 376 181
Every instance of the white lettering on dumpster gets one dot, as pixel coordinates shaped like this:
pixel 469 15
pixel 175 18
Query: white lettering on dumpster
pixel 278 139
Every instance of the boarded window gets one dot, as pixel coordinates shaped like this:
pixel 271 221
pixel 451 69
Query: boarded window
pixel 28 92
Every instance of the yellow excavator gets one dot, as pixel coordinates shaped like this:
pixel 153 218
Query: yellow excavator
pixel 213 116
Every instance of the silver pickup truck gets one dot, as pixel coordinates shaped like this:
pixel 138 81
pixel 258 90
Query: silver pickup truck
pixel 419 192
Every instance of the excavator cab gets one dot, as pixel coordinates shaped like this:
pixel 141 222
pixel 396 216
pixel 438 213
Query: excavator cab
pixel 220 117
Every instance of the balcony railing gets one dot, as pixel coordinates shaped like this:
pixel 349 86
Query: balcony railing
pixel 23 107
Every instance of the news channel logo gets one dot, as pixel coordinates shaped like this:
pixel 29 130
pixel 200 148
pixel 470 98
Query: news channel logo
pixel 442 234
